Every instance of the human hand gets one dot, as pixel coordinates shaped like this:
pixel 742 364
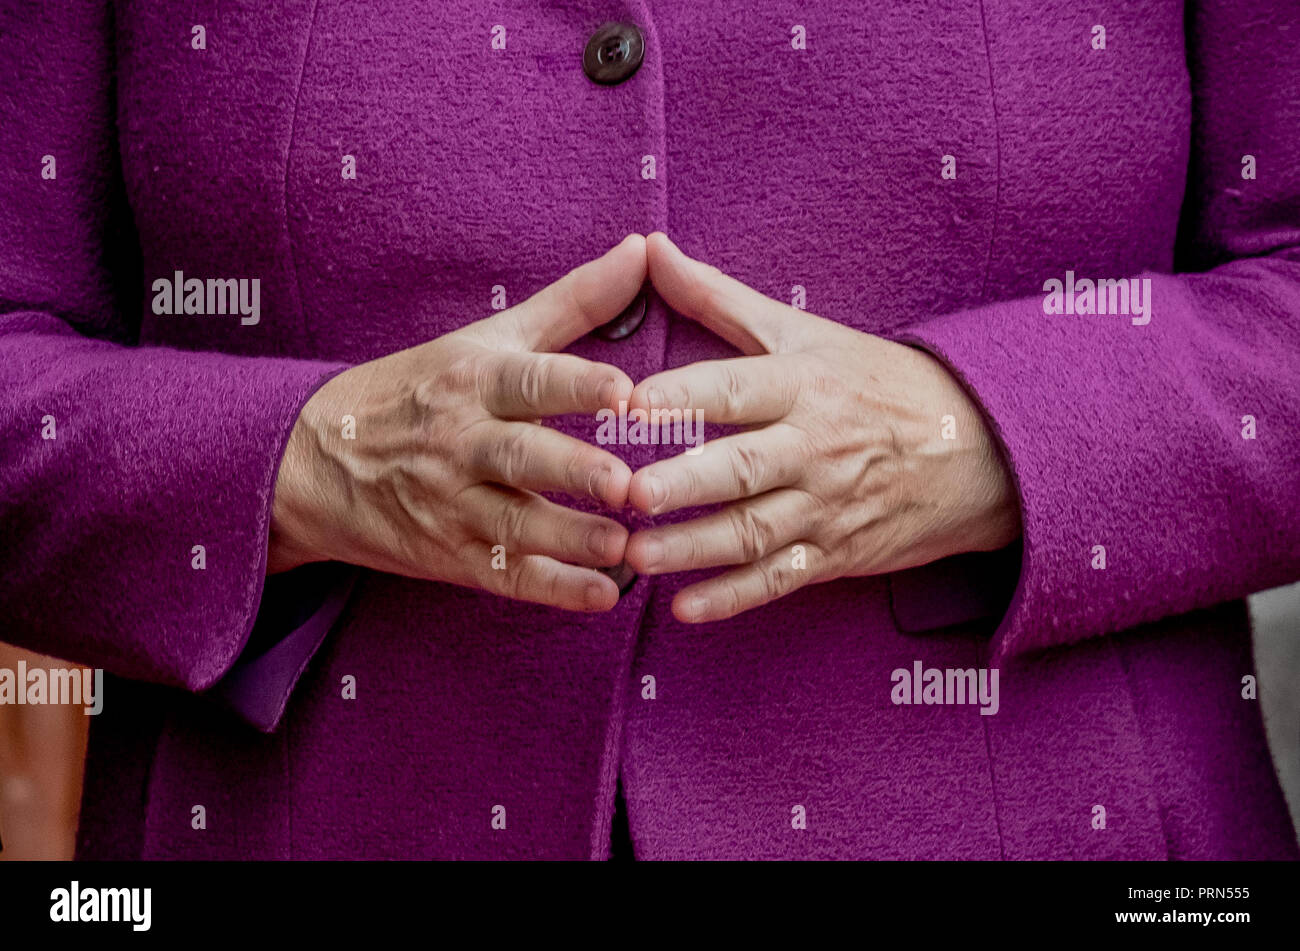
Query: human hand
pixel 845 455
pixel 448 460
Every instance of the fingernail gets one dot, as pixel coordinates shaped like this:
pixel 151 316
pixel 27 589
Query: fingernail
pixel 597 482
pixel 598 541
pixel 658 492
pixel 696 607
pixel 606 393
pixel 595 596
pixel 652 552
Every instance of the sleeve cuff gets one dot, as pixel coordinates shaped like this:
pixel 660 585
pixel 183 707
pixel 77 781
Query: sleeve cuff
pixel 298 610
pixel 987 582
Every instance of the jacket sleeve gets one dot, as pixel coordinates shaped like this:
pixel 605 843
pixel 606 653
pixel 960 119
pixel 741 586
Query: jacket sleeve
pixel 135 482
pixel 1171 449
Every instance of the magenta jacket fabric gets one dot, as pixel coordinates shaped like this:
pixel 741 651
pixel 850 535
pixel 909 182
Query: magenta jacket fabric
pixel 821 166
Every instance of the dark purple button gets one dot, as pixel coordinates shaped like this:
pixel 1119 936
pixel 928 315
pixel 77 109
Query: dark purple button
pixel 626 323
pixel 613 53
pixel 621 575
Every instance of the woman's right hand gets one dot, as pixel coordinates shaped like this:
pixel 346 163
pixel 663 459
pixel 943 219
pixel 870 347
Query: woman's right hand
pixel 449 457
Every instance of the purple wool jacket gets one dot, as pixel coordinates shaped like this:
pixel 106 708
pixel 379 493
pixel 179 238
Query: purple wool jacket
pixel 793 145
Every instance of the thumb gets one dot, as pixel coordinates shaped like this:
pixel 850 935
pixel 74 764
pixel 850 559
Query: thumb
pixel 588 296
pixel 734 311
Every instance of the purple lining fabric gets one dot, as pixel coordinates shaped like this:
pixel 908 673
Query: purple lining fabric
pixel 257 688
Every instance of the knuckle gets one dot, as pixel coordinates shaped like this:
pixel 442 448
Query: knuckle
pixel 515 583
pixel 497 582
pixel 460 375
pixel 698 551
pixel 751 532
pixel 531 383
pixel 496 458
pixel 747 468
pixel 832 563
pixel 732 391
pixel 480 454
pixel 815 515
pixel 537 584
pixel 491 579
pixel 731 597
pixel 770 581
pixel 510 521
pixel 512 458
pixel 694 484
pixel 424 396
pixel 553 585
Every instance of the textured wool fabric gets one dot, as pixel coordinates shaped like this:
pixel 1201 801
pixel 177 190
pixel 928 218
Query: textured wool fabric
pixel 791 146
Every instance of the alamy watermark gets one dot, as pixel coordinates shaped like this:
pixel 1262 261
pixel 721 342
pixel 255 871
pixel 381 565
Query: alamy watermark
pixel 946 686
pixel 655 427
pixel 191 296
pixel 63 686
pixel 133 906
pixel 1127 296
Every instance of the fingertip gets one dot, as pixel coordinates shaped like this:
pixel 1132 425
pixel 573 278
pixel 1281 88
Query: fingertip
pixel 633 245
pixel 601 386
pixel 636 494
pixel 601 594
pixel 643 553
pixel 639 397
pixel 651 394
pixel 632 554
pixel 615 488
pixel 621 389
pixel 616 553
pixel 646 492
pixel 607 543
pixel 657 246
pixel 659 239
pixel 608 391
pixel 690 608
pixel 669 270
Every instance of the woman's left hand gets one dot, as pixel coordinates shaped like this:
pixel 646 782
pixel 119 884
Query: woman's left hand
pixel 864 453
